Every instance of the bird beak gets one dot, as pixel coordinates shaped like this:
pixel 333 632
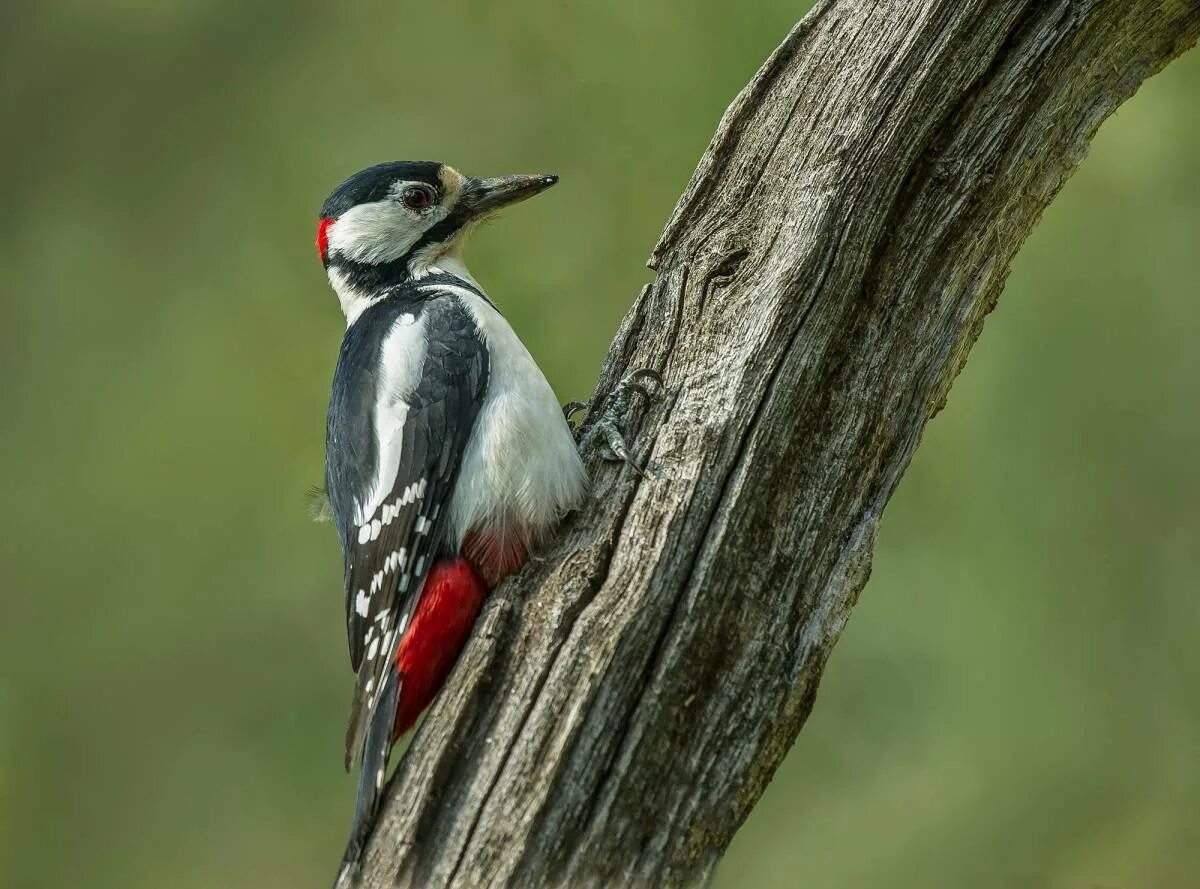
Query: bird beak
pixel 483 196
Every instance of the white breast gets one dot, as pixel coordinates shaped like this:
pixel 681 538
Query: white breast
pixel 521 470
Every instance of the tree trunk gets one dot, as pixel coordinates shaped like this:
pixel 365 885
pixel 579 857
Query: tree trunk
pixel 626 698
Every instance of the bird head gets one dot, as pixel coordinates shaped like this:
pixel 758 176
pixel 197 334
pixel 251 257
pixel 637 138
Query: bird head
pixel 399 220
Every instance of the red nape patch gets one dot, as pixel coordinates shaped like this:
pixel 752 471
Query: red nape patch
pixel 323 237
pixel 450 602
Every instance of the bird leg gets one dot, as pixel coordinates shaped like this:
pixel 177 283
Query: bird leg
pixel 570 409
pixel 603 433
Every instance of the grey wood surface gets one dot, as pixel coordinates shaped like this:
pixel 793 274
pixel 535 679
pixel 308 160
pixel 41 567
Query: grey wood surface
pixel 625 699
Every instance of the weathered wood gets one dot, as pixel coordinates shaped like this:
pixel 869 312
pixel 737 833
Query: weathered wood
pixel 626 699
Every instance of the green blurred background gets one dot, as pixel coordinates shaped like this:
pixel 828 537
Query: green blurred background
pixel 1013 703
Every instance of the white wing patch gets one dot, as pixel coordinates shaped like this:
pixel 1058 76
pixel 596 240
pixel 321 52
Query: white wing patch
pixel 402 357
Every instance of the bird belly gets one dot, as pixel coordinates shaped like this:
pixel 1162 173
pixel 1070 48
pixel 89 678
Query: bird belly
pixel 520 471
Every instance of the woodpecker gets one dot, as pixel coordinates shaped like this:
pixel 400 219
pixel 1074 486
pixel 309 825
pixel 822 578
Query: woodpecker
pixel 448 456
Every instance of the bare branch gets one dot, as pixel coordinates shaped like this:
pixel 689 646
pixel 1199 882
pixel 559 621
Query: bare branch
pixel 626 699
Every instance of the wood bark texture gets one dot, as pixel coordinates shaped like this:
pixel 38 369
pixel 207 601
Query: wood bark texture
pixel 625 700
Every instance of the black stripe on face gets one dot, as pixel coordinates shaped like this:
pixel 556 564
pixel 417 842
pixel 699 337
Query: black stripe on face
pixel 368 278
pixel 376 184
pixel 445 231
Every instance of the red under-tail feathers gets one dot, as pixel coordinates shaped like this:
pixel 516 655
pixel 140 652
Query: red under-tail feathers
pixel 450 602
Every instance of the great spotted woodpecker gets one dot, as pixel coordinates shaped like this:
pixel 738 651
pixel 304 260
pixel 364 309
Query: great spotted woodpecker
pixel 447 454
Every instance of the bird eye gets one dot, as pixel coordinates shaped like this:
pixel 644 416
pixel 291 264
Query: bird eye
pixel 416 198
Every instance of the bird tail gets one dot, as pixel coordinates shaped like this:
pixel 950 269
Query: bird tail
pixel 372 772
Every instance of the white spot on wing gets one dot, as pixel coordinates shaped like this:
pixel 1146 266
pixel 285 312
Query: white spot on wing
pixel 364 534
pixel 361 603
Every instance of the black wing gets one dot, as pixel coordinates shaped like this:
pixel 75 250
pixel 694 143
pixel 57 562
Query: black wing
pixel 399 423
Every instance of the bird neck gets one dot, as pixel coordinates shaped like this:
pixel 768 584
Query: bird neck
pixel 358 285
pixel 450 263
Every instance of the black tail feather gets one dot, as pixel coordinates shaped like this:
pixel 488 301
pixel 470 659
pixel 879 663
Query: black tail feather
pixel 372 772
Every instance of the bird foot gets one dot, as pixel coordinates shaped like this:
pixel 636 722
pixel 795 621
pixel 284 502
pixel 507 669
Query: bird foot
pixel 604 434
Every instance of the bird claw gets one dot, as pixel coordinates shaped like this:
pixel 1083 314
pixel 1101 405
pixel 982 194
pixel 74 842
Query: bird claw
pixel 571 408
pixel 605 434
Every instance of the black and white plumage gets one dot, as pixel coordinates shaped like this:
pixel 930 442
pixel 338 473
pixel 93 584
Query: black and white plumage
pixel 411 379
pixel 441 427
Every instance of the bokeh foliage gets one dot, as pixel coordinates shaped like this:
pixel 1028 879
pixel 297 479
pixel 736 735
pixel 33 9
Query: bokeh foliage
pixel 1013 703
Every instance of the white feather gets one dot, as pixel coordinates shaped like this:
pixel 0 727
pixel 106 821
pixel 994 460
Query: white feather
pixel 382 231
pixel 520 463
pixel 353 302
pixel 401 360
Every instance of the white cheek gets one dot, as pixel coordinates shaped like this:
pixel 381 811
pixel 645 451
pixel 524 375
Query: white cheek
pixel 378 232
pixel 382 231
